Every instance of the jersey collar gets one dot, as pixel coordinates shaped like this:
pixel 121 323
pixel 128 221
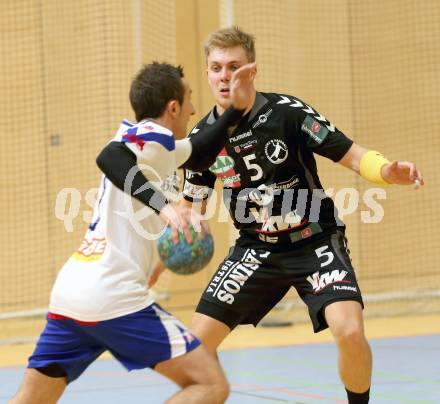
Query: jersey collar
pixel 260 102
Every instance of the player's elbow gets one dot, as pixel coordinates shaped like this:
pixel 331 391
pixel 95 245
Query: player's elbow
pixel 115 156
pixel 352 158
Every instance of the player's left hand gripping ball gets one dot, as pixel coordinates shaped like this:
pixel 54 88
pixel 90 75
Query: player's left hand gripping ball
pixel 184 258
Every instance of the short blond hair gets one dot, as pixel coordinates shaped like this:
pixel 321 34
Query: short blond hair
pixel 229 38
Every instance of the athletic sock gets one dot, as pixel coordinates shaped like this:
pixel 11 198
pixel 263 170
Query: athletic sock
pixel 358 398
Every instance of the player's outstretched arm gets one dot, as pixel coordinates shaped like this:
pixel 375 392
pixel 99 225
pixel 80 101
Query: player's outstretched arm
pixel 375 168
pixel 117 161
pixel 242 87
pixel 207 144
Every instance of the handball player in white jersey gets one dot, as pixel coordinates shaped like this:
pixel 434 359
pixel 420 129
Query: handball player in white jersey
pixel 100 300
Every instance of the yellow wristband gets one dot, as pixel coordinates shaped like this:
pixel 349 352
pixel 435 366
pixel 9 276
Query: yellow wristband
pixel 371 167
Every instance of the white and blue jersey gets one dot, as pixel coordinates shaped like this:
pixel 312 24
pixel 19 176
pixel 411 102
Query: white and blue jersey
pixel 107 276
pixel 100 299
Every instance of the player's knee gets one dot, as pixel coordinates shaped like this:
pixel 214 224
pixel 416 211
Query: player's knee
pixel 209 373
pixel 222 394
pixel 348 332
pixel 351 337
pixel 220 390
pixel 219 385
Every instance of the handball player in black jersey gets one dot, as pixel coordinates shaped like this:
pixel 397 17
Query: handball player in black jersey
pixel 289 231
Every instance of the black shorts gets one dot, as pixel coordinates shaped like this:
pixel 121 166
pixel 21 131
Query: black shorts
pixel 253 279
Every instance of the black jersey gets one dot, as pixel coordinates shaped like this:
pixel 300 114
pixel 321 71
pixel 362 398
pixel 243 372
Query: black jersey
pixel 270 181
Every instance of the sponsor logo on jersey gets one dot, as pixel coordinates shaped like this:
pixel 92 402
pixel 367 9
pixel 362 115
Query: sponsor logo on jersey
pixel 189 174
pixel 271 224
pixel 250 144
pixel 310 230
pixel 241 136
pixel 305 233
pixel 262 195
pixel 231 277
pixel 288 184
pixel 223 168
pixel 233 181
pixel 314 129
pixel 222 164
pixel 319 282
pixel 268 239
pixel 262 119
pixel 276 151
pixel 170 186
pixel 195 191
pixel 90 250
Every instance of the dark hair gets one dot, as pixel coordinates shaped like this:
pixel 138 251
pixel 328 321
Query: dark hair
pixel 153 87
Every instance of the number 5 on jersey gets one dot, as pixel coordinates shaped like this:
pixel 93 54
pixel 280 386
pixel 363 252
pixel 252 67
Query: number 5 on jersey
pixel 252 166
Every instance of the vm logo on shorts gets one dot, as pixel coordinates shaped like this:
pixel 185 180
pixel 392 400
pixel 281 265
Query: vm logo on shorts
pixel 319 282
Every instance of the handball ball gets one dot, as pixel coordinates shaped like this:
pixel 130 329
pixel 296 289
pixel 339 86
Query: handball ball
pixel 184 258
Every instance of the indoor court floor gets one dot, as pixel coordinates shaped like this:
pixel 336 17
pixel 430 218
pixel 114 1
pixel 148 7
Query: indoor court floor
pixel 263 367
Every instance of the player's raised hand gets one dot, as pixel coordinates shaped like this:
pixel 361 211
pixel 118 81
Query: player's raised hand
pixel 402 173
pixel 180 217
pixel 242 87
